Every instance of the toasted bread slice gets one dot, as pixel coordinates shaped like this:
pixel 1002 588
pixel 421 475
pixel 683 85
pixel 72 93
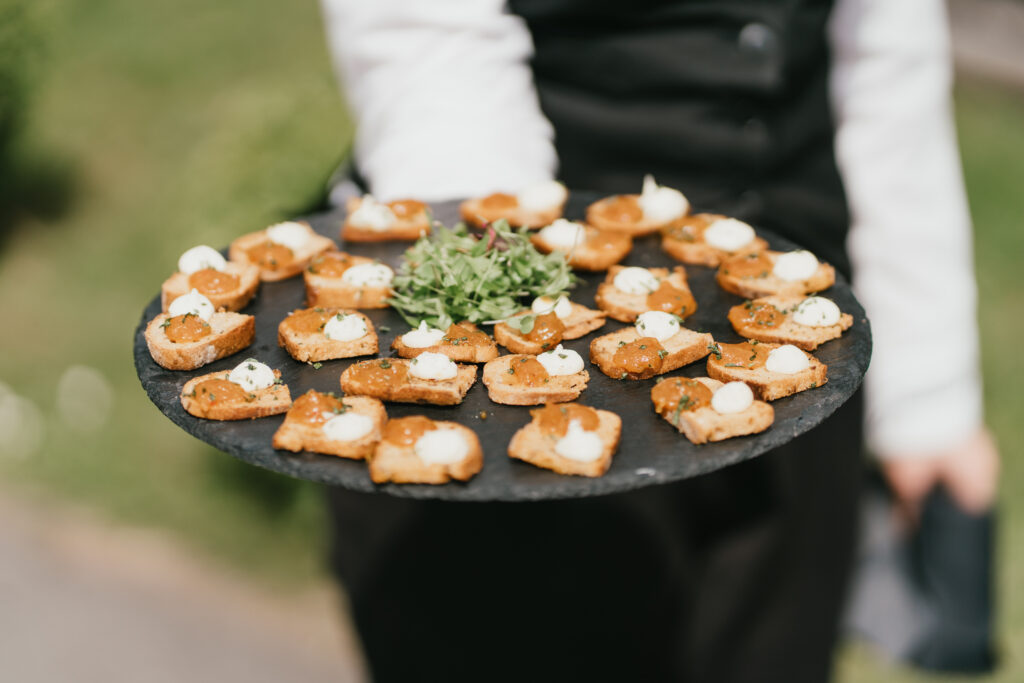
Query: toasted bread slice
pixel 599 250
pixel 767 385
pixel 325 286
pixel 411 221
pixel 301 334
pixel 531 444
pixel 471 345
pixel 733 277
pixel 300 433
pixel 399 463
pixel 230 333
pixel 703 423
pixel 558 389
pixel 402 387
pixel 626 307
pixel 483 210
pixel 601 215
pixel 580 322
pixel 683 348
pixel 196 400
pixel 236 299
pixel 770 319
pixel 685 241
pixel 270 268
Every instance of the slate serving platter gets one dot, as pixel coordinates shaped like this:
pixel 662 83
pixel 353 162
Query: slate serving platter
pixel 650 452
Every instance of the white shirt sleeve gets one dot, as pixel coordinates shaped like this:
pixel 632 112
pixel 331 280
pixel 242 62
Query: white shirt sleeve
pixel 443 97
pixel 910 239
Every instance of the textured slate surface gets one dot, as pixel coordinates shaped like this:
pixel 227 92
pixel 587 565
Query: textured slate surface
pixel 651 451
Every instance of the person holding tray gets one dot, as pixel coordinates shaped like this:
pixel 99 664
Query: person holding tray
pixel 829 125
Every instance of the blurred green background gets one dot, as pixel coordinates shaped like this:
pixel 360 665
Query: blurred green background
pixel 130 131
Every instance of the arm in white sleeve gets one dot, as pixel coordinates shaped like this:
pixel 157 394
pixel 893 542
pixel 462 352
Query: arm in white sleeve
pixel 910 238
pixel 443 96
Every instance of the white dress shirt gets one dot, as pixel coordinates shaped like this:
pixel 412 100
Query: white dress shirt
pixel 446 107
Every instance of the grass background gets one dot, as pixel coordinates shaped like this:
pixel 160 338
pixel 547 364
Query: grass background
pixel 170 123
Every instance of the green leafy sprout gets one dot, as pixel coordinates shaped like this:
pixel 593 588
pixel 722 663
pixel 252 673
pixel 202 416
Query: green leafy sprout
pixel 453 276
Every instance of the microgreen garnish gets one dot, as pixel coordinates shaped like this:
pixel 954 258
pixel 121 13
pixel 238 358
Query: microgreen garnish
pixel 453 275
pixel 523 323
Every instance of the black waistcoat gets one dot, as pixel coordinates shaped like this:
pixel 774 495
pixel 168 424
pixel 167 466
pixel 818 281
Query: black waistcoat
pixel 726 100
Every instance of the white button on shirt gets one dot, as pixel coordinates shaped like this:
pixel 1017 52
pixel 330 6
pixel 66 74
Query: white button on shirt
pixel 446 108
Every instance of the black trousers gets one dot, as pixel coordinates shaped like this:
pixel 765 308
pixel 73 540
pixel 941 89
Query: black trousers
pixel 735 576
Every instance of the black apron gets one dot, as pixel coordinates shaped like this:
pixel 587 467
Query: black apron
pixel 734 576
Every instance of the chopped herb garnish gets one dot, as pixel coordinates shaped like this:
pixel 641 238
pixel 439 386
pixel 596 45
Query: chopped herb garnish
pixel 684 403
pixel 385 364
pixel 662 353
pixel 384 329
pixel 716 350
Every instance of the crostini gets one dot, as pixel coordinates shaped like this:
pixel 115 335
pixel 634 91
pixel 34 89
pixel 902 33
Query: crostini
pixel 705 409
pixel 250 390
pixel 584 247
pixel 348 427
pixel 428 378
pixel 341 280
pixel 463 342
pixel 766 273
pixel 537 205
pixel 805 322
pixel 281 251
pixel 568 438
pixel 371 221
pixel 418 450
pixel 655 208
pixel 772 370
pixel 546 324
pixel 555 376
pixel 654 345
pixel 317 334
pixel 707 239
pixel 628 292
pixel 229 286
pixel 191 334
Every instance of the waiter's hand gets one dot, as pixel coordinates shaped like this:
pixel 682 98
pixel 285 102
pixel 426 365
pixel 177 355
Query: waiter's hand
pixel 969 471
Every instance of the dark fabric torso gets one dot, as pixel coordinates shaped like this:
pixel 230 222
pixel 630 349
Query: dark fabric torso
pixel 727 101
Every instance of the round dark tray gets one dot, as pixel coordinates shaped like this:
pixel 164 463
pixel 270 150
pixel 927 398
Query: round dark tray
pixel 651 451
